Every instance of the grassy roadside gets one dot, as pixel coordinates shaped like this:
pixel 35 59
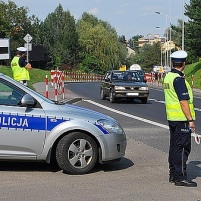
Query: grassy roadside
pixel 36 75
pixel 195 71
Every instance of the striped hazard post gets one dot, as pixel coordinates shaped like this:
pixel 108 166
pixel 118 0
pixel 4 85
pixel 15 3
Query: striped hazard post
pixel 53 75
pixel 63 89
pixel 46 87
pixel 55 89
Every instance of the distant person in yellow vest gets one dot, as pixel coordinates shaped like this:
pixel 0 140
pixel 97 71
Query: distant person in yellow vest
pixel 180 115
pixel 20 67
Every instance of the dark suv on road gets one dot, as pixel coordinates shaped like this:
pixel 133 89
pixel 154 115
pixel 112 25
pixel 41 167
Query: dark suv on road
pixel 123 84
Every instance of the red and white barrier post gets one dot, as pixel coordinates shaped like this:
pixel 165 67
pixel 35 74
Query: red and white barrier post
pixel 55 89
pixel 63 89
pixel 46 87
pixel 53 75
pixel 57 81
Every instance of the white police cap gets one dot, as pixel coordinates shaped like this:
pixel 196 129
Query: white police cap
pixel 180 54
pixel 22 49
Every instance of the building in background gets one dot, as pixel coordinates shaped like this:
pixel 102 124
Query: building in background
pixel 151 39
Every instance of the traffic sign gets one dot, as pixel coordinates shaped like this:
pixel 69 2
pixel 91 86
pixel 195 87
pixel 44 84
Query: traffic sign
pixel 28 38
pixel 28 46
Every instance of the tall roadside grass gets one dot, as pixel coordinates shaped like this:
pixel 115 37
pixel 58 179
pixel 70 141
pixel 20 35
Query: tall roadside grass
pixel 36 75
pixel 193 74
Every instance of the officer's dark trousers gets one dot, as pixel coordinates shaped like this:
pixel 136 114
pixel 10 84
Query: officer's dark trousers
pixel 180 147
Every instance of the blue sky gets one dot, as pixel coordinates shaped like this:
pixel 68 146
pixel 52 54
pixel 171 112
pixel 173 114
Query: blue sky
pixel 128 17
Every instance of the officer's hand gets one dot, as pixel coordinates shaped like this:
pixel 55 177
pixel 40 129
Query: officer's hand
pixel 28 66
pixel 192 126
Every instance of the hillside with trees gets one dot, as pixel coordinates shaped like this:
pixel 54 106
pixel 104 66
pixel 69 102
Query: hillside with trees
pixel 90 44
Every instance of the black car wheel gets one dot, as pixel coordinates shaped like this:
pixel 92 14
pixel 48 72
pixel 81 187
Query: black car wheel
pixel 144 100
pixel 76 153
pixel 102 94
pixel 111 97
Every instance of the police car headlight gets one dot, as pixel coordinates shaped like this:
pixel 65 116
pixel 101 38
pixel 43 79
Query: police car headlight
pixel 110 126
pixel 143 88
pixel 119 88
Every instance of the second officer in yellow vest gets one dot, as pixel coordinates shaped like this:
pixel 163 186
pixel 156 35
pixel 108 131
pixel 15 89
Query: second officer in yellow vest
pixel 180 115
pixel 20 67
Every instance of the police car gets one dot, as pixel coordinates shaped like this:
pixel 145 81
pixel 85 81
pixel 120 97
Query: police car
pixel 33 127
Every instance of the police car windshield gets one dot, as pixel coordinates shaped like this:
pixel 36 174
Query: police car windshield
pixel 41 96
pixel 48 100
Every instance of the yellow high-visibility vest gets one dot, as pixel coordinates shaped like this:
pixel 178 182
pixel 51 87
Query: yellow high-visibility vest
pixel 19 73
pixel 173 107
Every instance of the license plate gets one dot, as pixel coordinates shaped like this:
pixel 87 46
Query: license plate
pixel 132 94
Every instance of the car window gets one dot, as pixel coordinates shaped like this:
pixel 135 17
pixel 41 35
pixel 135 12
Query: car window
pixel 136 76
pixel 107 76
pixel 123 76
pixel 131 76
pixel 117 76
pixel 141 72
pixel 9 95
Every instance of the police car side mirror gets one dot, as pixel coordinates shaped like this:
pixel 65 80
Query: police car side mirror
pixel 27 100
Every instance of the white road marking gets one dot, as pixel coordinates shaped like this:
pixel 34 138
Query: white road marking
pixel 197 109
pixel 128 115
pixel 158 101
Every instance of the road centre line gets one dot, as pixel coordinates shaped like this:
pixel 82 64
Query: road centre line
pixel 128 115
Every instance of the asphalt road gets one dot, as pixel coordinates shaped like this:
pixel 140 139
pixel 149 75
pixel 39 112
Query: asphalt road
pixel 141 175
pixel 145 117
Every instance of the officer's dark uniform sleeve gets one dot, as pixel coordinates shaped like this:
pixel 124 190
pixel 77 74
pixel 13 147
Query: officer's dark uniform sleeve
pixel 181 89
pixel 22 62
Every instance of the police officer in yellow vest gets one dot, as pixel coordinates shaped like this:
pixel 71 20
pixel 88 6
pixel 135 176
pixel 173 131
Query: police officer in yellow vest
pixel 180 115
pixel 20 67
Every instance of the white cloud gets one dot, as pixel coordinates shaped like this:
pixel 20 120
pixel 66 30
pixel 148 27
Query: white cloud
pixel 93 11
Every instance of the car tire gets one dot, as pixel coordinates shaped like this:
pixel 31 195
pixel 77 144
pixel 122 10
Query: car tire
pixel 76 153
pixel 111 97
pixel 144 100
pixel 102 94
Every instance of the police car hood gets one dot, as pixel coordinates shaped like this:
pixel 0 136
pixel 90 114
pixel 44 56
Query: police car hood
pixel 77 112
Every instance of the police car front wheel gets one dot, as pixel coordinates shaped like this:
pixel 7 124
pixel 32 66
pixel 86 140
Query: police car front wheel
pixel 76 153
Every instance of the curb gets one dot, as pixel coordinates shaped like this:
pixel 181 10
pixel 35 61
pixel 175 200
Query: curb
pixel 71 101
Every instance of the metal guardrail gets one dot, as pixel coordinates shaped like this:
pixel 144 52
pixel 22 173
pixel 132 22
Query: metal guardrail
pixel 82 77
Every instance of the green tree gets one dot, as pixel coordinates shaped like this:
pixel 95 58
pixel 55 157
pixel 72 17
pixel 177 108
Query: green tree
pixel 133 42
pixel 122 39
pixel 15 24
pixel 193 30
pixel 148 56
pixel 59 36
pixel 99 42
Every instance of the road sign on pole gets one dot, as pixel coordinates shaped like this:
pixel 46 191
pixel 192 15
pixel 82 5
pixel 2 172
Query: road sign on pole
pixel 28 46
pixel 28 39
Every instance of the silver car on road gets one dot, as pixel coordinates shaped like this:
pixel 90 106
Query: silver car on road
pixel 33 127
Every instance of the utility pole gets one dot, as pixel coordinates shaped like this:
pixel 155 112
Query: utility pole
pixel 182 24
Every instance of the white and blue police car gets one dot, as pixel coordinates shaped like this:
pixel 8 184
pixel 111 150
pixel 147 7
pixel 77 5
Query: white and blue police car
pixel 33 127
